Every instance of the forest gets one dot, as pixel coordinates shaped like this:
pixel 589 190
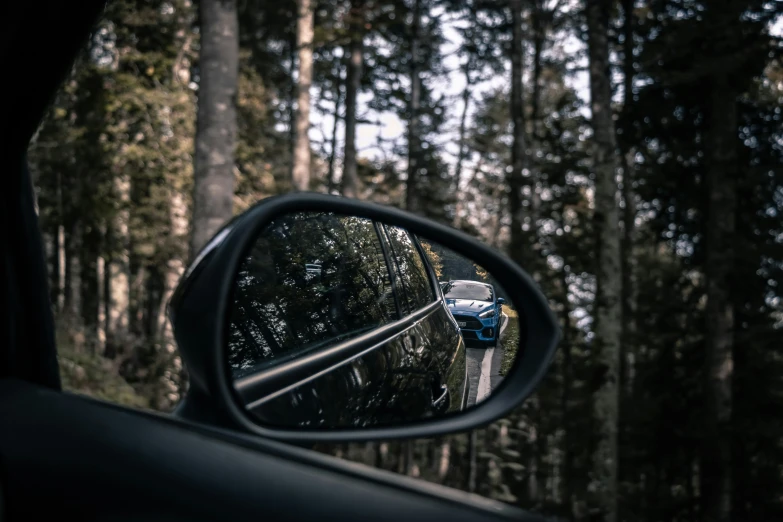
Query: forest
pixel 626 153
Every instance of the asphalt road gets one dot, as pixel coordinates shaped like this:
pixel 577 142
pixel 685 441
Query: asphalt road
pixel 484 368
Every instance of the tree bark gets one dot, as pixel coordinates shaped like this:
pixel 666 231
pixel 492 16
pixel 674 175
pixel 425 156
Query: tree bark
pixel 535 102
pixel 629 210
pixel 89 283
pixel 608 305
pixel 721 212
pixel 628 257
pixel 516 179
pixel 300 172
pixel 118 272
pixel 61 269
pixel 444 461
pixel 463 149
pixel 338 99
pixel 414 107
pixel 472 461
pixel 565 401
pixel 352 84
pixel 216 127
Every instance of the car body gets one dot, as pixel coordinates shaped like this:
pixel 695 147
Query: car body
pixel 477 309
pixel 282 313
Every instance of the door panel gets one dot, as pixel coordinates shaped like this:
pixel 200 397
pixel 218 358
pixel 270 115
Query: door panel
pixel 413 283
pixel 383 387
pixel 446 353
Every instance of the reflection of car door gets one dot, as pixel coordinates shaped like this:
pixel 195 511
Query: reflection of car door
pixel 379 385
pixel 434 341
pixel 448 348
pixel 350 297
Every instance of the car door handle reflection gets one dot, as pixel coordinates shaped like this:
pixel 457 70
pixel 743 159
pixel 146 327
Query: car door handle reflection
pixel 439 401
pixel 414 342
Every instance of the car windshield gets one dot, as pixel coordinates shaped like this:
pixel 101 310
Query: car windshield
pixel 475 291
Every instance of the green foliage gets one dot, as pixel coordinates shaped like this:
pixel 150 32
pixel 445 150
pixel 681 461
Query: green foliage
pixel 433 256
pixel 510 340
pixel 94 375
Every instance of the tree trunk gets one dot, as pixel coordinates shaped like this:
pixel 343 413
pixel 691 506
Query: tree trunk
pixel 533 455
pixel 89 283
pixel 516 179
pixel 300 172
pixel 719 316
pixel 110 344
pixel 414 107
pixel 153 293
pixel 628 258
pixel 463 127
pixel 216 127
pixel 472 461
pixel 566 489
pixel 52 228
pixel 629 210
pixel 535 102
pixel 70 242
pixel 118 272
pixel 61 269
pixel 608 305
pixel 463 149
pixel 444 460
pixel 352 84
pixel 338 98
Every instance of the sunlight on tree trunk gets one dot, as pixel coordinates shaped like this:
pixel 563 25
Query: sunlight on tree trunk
pixel 352 84
pixel 213 187
pixel 300 174
pixel 608 305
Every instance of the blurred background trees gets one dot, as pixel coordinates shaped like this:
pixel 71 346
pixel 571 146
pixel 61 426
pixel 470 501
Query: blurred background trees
pixel 627 154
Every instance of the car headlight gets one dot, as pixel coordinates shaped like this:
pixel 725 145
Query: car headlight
pixel 487 313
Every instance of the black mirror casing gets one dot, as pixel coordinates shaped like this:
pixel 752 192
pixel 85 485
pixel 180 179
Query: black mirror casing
pixel 199 311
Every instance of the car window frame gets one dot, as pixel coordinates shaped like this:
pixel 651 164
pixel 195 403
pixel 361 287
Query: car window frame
pixel 430 273
pixel 380 232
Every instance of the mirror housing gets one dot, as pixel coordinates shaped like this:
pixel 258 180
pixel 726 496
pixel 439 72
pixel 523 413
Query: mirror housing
pixel 501 300
pixel 200 306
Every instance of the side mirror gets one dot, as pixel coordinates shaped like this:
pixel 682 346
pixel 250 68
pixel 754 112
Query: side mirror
pixel 318 318
pixel 501 301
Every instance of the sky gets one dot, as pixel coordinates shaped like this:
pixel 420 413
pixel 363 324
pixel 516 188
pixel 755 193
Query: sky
pixel 390 128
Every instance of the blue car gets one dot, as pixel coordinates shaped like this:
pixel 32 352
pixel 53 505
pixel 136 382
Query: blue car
pixel 476 308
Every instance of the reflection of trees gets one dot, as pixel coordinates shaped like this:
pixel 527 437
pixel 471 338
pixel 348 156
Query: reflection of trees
pixel 391 385
pixel 416 287
pixel 433 257
pixel 280 309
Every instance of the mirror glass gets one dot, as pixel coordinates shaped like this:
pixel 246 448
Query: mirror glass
pixel 343 322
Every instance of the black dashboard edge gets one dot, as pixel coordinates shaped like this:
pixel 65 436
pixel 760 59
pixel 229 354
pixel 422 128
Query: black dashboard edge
pixel 58 434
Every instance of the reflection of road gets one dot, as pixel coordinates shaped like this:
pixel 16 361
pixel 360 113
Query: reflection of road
pixel 484 368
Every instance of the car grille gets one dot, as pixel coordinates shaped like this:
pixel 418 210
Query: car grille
pixel 471 323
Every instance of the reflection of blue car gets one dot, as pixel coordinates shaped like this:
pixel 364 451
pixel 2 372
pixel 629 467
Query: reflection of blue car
pixel 476 308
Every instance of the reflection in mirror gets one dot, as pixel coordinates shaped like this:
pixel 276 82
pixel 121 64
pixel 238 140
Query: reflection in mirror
pixel 341 322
